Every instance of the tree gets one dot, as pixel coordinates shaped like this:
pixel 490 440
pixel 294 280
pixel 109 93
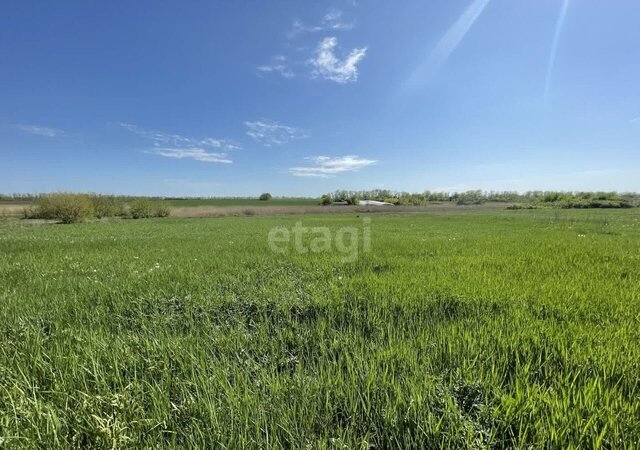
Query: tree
pixel 265 196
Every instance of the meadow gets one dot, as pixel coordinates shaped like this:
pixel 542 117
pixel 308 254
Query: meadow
pixel 458 329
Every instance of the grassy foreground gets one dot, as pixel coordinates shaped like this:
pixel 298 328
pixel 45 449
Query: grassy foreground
pixel 507 329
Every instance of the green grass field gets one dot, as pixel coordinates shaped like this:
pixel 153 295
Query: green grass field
pixel 503 329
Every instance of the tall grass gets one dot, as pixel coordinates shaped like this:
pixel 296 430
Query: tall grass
pixel 507 329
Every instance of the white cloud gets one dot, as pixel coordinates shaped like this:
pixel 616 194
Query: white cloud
pixel 332 20
pixel 160 139
pixel 328 66
pixel 325 64
pixel 326 166
pixel 271 133
pixel 40 131
pixel 199 154
pixel 182 147
pixel 279 65
pixel 635 120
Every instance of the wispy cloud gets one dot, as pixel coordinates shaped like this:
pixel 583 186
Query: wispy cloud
pixel 635 120
pixel 40 131
pixel 278 65
pixel 333 20
pixel 328 66
pixel 326 166
pixel 325 64
pixel 199 154
pixel 182 147
pixel 160 139
pixel 449 42
pixel 554 48
pixel 269 133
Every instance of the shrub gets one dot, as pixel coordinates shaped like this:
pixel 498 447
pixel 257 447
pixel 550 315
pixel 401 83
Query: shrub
pixel 161 209
pixel 106 206
pixel 594 203
pixel 30 212
pixel 520 206
pixel 469 198
pixel 141 208
pixel 392 200
pixel 551 197
pixel 63 206
pixel 265 196
pixel 351 199
pixel 325 200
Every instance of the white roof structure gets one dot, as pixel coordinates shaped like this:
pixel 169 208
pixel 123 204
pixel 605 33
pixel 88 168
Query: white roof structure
pixel 373 203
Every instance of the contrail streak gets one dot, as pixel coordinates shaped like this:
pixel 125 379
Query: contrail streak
pixel 449 42
pixel 452 38
pixel 554 48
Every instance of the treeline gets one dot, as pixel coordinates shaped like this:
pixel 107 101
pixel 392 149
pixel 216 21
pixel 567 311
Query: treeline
pixel 18 198
pixel 31 198
pixel 528 199
pixel 69 207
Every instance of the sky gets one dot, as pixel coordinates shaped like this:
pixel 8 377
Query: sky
pixel 300 98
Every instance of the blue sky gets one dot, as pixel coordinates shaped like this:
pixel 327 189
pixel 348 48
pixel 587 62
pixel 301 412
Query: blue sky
pixel 221 98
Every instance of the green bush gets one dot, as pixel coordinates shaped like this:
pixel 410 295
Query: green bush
pixel 594 203
pixel 325 200
pixel 265 196
pixel 106 206
pixel 469 198
pixel 63 206
pixel 520 206
pixel 30 212
pixel 141 208
pixel 161 209
pixel 392 200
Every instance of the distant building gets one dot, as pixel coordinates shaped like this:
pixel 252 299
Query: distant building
pixel 373 203
pixel 340 203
